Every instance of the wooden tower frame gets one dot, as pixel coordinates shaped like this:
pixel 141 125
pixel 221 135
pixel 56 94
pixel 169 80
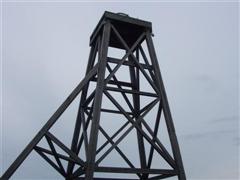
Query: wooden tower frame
pixel 122 32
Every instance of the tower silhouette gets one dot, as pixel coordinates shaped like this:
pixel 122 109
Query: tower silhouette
pixel 131 39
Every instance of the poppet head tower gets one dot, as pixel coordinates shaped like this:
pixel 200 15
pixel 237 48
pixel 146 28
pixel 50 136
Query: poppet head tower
pixel 123 71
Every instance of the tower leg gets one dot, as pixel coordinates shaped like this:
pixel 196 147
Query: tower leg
pixel 166 109
pixel 80 114
pixel 134 76
pixel 97 103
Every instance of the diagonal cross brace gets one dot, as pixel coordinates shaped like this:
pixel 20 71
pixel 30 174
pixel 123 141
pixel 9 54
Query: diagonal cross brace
pixel 14 166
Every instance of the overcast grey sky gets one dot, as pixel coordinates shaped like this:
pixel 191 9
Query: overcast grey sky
pixel 44 56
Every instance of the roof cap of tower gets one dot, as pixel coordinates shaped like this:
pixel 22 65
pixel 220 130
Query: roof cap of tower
pixel 129 28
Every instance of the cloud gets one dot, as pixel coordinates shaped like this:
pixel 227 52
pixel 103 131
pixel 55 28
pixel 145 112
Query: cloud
pixel 237 141
pixel 226 119
pixel 208 134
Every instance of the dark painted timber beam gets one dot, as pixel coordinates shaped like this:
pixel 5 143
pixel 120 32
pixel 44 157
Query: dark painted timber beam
pixel 128 63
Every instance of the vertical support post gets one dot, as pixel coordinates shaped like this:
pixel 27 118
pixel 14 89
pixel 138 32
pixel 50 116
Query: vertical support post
pixel 91 156
pixel 77 128
pixel 134 76
pixel 157 124
pixel 166 109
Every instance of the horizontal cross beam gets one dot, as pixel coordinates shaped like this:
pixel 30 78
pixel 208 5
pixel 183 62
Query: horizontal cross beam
pixel 128 63
pixel 134 170
pixel 110 111
pixel 131 91
pixel 121 83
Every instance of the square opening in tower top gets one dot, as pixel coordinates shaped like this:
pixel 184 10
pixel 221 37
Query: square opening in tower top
pixel 129 28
